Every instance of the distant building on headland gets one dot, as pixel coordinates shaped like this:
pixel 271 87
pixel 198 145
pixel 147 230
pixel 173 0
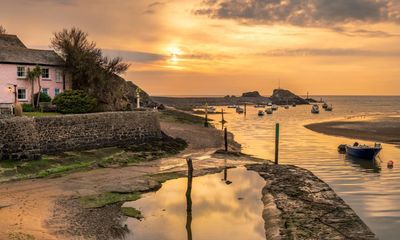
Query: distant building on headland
pixel 16 59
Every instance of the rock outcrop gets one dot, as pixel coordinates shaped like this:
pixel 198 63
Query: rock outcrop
pixel 119 95
pixel 282 97
pixel 251 94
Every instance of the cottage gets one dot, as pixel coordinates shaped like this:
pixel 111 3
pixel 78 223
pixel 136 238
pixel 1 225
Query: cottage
pixel 16 59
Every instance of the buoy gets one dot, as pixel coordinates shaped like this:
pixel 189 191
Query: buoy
pixel 390 164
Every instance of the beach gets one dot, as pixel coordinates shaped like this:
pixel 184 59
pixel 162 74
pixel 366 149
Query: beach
pixel 384 129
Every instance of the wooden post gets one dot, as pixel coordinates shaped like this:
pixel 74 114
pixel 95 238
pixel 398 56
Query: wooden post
pixel 277 143
pixel 189 199
pixel 226 139
pixel 222 116
pixel 245 109
pixel 206 120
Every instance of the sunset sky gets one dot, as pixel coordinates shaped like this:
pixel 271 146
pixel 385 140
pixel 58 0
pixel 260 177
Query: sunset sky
pixel 219 47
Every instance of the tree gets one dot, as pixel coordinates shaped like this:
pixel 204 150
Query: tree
pixel 2 30
pixel 33 75
pixel 84 61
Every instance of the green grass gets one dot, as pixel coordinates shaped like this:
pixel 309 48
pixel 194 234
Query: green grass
pixel 180 117
pixel 163 177
pixel 40 114
pixel 132 212
pixel 62 169
pixel 98 201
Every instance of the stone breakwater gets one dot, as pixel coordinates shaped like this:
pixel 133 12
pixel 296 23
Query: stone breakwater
pixel 298 205
pixel 28 138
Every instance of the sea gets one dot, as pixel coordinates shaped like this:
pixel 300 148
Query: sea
pixel 370 188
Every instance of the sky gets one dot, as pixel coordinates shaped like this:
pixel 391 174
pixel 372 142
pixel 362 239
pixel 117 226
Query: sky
pixel 220 47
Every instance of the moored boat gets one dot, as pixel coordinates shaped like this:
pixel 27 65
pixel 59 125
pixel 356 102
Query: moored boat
pixel 325 105
pixel 329 108
pixel 259 106
pixel 269 111
pixel 239 110
pixel 261 113
pixel 232 106
pixel 363 151
pixel 315 109
pixel 286 106
pixel 294 105
pixel 274 107
pixel 269 104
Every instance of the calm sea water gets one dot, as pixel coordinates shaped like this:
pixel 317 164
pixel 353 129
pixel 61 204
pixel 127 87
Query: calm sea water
pixel 370 188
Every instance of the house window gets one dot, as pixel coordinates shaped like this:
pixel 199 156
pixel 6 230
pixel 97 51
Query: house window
pixel 58 76
pixel 45 90
pixel 21 94
pixel 56 91
pixel 45 73
pixel 21 72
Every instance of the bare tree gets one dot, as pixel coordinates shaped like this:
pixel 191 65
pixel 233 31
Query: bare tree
pixel 2 30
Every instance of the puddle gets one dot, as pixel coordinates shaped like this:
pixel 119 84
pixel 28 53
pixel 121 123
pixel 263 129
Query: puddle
pixel 229 208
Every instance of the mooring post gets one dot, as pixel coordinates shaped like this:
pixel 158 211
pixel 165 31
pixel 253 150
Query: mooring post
pixel 189 199
pixel 222 116
pixel 206 116
pixel 277 144
pixel 226 139
pixel 245 109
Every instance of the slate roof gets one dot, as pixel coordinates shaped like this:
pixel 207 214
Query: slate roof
pixel 13 51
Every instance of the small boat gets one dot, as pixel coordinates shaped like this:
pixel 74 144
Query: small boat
pixel 232 106
pixel 315 109
pixel 269 111
pixel 261 113
pixel 294 105
pixel 259 106
pixel 363 151
pixel 239 110
pixel 329 108
pixel 211 109
pixel 274 107
pixel 325 105
pixel 286 106
pixel 269 104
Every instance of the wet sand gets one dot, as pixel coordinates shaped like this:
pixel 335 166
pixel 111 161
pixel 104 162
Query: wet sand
pixel 384 129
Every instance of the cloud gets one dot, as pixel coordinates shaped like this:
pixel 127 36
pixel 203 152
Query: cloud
pixel 308 13
pixel 333 52
pixel 134 56
pixel 153 7
pixel 363 33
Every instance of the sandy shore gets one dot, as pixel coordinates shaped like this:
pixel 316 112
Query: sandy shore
pixel 378 128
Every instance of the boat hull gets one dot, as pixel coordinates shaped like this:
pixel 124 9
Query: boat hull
pixel 364 153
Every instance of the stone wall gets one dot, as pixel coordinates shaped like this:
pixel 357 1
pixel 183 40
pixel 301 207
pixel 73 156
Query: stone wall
pixel 27 138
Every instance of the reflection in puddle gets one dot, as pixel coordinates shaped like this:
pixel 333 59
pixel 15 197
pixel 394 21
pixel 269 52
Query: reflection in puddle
pixel 226 205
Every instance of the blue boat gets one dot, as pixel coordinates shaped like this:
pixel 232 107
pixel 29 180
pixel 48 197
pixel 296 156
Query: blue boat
pixel 363 151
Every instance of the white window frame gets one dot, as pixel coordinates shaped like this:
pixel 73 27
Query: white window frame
pixel 47 91
pixel 59 76
pixel 48 72
pixel 55 91
pixel 26 94
pixel 25 72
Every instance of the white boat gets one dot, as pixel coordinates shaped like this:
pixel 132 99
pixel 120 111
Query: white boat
pixel 259 106
pixel 274 107
pixel 315 109
pixel 211 109
pixel 232 106
pixel 269 111
pixel 239 110
pixel 261 113
pixel 269 104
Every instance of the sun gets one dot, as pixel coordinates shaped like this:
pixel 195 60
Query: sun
pixel 174 52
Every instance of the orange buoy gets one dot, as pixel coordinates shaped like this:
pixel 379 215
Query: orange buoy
pixel 390 164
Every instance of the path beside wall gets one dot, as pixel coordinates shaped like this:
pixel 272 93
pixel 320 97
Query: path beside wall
pixel 28 138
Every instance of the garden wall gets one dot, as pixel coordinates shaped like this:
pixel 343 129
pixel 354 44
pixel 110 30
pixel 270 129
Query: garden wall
pixel 28 138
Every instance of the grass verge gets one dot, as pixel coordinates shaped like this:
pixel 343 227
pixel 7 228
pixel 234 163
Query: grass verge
pixel 98 201
pixel 132 212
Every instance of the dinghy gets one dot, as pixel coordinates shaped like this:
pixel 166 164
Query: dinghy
pixel 363 151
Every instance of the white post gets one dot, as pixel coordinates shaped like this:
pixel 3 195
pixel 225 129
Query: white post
pixel 138 98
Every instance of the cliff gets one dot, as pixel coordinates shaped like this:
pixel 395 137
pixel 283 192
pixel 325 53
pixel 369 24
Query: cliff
pixel 282 97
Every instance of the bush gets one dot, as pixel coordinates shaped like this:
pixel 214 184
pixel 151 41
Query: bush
pixel 43 97
pixel 74 101
pixel 26 107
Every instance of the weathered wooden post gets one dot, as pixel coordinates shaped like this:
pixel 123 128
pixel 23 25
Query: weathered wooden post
pixel 222 116
pixel 206 116
pixel 245 109
pixel 189 199
pixel 226 139
pixel 277 143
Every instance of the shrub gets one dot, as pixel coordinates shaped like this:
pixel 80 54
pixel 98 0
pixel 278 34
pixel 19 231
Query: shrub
pixel 26 107
pixel 74 101
pixel 43 97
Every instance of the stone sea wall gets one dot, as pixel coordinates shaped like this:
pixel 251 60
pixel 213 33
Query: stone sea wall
pixel 28 138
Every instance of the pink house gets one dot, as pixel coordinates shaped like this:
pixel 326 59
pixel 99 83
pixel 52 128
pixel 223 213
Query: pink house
pixel 16 59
